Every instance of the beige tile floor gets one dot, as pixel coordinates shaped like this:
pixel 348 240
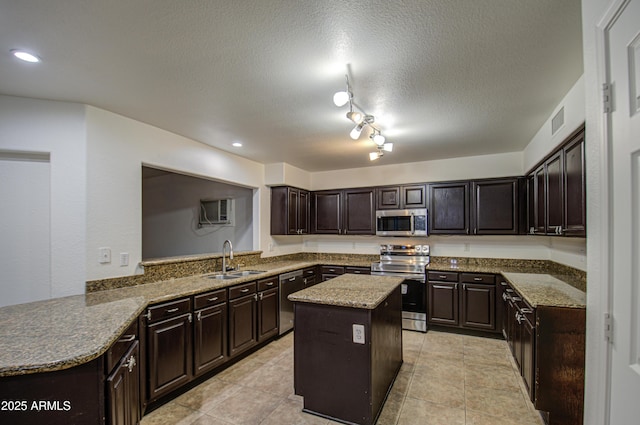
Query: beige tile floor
pixel 446 379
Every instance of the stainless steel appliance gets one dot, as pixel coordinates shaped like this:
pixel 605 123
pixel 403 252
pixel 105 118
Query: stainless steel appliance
pixel 409 222
pixel 289 283
pixel 408 262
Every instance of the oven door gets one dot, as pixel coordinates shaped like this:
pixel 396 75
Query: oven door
pixel 414 305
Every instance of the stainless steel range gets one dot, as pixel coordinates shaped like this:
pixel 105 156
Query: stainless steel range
pixel 408 262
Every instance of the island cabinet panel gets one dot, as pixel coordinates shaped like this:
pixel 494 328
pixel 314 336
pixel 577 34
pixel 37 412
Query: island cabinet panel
pixel 70 396
pixel 338 377
pixel 449 208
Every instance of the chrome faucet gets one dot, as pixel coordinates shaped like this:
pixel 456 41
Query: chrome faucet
pixel 224 258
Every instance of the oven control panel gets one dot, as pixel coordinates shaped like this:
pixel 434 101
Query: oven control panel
pixel 417 250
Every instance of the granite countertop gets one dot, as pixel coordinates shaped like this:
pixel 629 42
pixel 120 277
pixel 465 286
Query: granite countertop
pixel 64 332
pixel 349 290
pixel 545 290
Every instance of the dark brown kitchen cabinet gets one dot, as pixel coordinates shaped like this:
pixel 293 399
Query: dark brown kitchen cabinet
pixel 575 218
pixel 557 191
pixel 449 208
pixel 554 193
pixel 548 346
pixel 466 300
pixel 311 275
pixel 327 212
pixel 344 212
pixel 495 206
pixel 123 389
pixel 357 270
pixel 290 211
pixel 242 318
pixel 267 308
pixel 169 347
pixel 210 331
pixel 329 272
pixel 400 197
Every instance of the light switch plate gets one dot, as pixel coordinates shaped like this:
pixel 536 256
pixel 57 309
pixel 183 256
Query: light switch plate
pixel 358 334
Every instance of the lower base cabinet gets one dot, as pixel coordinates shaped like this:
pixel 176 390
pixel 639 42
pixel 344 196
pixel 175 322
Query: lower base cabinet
pixel 123 390
pixel 466 300
pixel 548 345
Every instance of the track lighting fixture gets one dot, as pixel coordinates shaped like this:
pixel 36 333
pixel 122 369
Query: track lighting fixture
pixel 362 119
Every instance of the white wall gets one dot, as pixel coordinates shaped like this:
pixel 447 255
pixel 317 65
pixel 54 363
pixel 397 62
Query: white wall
pixel 543 143
pixel 116 149
pixel 171 212
pixel 56 129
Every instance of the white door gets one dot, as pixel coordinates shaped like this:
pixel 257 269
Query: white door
pixel 622 38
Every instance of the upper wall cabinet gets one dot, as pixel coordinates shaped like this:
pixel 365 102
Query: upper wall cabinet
pixel 449 208
pixel 557 191
pixel 344 212
pixel 496 206
pixel 478 207
pixel 289 211
pixel 400 197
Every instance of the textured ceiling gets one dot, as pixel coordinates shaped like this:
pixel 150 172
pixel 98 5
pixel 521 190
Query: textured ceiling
pixel 443 78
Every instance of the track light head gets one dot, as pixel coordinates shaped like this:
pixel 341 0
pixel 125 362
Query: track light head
pixel 356 117
pixel 357 130
pixel 341 98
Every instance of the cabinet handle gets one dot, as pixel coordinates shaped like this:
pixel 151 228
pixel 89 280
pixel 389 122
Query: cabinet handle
pixel 504 296
pixel 212 299
pixel 269 283
pixel 516 299
pixel 292 279
pixel 127 338
pixel 148 315
pixel 172 310
pixel 255 297
pixel 527 310
pixel 261 295
pixel 518 318
pixel 245 290
pixel 503 283
pixel 442 277
pixel 190 318
pixel 477 279
pixel 130 363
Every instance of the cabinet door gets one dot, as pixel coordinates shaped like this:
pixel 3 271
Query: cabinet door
pixel 388 198
pixel 495 207
pixel 267 314
pixel 242 324
pixel 443 303
pixel 554 193
pixel 575 219
pixel 414 196
pixel 540 201
pixel 478 306
pixel 531 204
pixel 359 212
pixel 292 211
pixel 210 338
pixel 169 355
pixel 528 337
pixel 123 390
pixel 449 208
pixel 303 212
pixel 327 212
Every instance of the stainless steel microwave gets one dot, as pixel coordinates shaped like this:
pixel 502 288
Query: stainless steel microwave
pixel 409 222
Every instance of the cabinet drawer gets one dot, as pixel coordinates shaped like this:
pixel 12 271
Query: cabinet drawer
pixel 241 290
pixel 209 298
pixel 489 279
pixel 310 272
pixel 358 270
pixel 332 270
pixel 265 284
pixel 442 276
pixel 122 344
pixel 166 310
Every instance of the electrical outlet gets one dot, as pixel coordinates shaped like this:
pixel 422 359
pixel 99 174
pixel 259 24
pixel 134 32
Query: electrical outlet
pixel 124 259
pixel 104 255
pixel 358 334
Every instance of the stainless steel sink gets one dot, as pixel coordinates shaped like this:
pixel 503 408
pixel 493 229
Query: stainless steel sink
pixel 234 274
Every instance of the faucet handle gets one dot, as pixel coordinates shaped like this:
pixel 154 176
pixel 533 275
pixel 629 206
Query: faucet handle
pixel 238 266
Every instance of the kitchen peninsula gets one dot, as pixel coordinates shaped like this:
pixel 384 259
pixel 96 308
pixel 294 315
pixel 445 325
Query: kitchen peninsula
pixel 347 346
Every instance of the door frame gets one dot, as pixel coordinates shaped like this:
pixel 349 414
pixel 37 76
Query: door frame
pixel 600 293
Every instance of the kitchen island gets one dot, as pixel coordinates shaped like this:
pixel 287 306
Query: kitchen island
pixel 347 346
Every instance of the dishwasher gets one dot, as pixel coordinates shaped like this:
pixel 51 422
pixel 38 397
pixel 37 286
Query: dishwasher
pixel 289 283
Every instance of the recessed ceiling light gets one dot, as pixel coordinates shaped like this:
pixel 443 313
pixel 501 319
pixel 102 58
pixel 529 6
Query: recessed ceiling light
pixel 237 144
pixel 25 56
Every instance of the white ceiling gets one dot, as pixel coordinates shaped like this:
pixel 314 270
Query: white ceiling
pixel 443 78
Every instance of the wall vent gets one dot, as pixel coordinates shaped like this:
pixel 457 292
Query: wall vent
pixel 557 121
